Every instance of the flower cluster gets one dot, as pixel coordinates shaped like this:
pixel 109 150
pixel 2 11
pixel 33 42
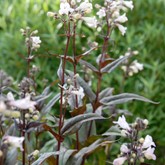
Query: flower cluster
pixel 139 148
pixel 76 10
pixel 131 68
pixel 112 12
pixel 72 94
pixel 32 41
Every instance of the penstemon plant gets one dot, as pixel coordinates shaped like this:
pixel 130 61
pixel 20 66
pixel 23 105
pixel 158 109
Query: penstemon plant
pixel 28 118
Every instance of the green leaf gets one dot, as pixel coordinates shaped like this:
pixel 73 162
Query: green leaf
pixel 11 157
pixel 123 98
pixel 65 156
pixel 89 65
pixel 50 104
pixel 78 158
pixel 73 124
pixel 44 156
pixel 113 65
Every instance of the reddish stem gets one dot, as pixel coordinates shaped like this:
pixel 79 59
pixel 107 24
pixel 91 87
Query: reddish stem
pixel 62 90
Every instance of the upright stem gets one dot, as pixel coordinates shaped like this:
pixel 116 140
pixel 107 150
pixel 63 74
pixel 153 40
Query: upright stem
pixel 23 114
pixel 75 83
pixel 62 90
pixel 23 134
pixel 102 59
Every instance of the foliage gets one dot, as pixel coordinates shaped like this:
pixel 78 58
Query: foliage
pixel 144 34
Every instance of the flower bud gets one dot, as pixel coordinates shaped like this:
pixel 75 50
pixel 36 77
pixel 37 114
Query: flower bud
pixel 141 159
pixel 141 140
pixel 31 110
pixel 131 160
pixel 124 133
pixel 50 14
pixel 34 32
pixel 22 30
pixel 35 153
pixel 27 115
pixel 69 81
pixel 145 121
pixel 1 153
pixel 35 117
pixel 134 155
pixel 15 114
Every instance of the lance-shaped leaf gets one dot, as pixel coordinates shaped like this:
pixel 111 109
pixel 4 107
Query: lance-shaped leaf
pixel 111 66
pixel 84 54
pixel 73 124
pixel 65 156
pixel 123 98
pixel 50 104
pixel 89 65
pixel 78 158
pixel 113 131
pixel 45 156
pixel 60 70
pixel 106 92
pixel 88 91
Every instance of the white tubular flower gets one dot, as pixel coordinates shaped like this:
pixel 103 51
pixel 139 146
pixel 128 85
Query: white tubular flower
pixel 101 13
pixel 90 21
pixel 128 4
pixel 121 18
pixel 85 7
pixel 138 65
pixel 124 148
pixel 121 28
pixel 14 141
pixel 65 8
pixel 79 92
pixel 35 42
pixel 122 123
pixel 148 142
pixel 149 153
pixel 24 103
pixel 119 161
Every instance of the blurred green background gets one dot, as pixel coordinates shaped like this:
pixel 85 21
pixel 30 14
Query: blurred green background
pixel 146 33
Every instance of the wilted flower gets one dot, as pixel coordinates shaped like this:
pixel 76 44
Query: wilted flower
pixel 122 123
pixel 14 141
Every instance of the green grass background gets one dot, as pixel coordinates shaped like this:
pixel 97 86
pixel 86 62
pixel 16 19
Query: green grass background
pixel 146 33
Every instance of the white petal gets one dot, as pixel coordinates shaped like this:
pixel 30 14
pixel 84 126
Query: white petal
pixel 119 161
pixel 124 148
pixel 90 21
pixel 148 142
pixel 121 28
pixel 122 123
pixel 149 153
pixel 15 141
pixel 24 103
